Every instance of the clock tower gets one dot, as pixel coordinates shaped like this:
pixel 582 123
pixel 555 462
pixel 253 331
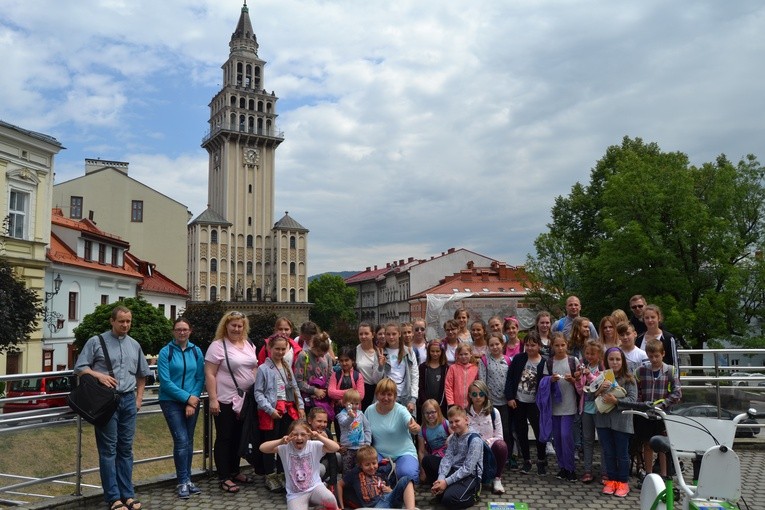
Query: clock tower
pixel 236 251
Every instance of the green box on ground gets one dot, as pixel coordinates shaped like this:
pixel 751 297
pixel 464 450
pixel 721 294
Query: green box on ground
pixel 508 506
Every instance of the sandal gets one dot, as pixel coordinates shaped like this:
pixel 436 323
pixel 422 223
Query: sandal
pixel 228 486
pixel 242 478
pixel 117 505
pixel 133 504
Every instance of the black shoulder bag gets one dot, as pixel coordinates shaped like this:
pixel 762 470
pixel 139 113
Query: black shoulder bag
pixel 92 400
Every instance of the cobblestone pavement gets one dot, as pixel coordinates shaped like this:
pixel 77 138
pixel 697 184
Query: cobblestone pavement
pixel 538 492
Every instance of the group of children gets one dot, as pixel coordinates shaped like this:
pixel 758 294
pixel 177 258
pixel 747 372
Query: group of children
pixel 491 388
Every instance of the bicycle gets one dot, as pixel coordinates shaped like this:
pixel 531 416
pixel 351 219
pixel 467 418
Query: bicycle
pixel 708 443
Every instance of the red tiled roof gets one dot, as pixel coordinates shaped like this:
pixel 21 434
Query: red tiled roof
pixel 367 275
pixel 153 280
pixel 84 225
pixel 506 280
pixel 60 253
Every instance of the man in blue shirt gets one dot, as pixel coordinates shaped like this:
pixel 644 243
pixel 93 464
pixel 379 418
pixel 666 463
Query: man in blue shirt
pixel 115 439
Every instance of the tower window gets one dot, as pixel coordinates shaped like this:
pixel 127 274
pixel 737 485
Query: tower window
pixel 249 241
pixel 249 188
pixel 214 237
pixel 213 293
pixel 249 267
pixel 292 268
pixel 292 242
pixel 249 220
pixel 213 265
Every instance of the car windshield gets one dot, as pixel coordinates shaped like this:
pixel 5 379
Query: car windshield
pixel 26 385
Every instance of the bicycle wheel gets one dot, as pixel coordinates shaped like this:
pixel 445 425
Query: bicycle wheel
pixel 653 486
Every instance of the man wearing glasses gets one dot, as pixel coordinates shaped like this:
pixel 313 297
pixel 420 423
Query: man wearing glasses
pixel 637 304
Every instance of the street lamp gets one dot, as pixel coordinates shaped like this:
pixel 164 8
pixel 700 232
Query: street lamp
pixel 54 320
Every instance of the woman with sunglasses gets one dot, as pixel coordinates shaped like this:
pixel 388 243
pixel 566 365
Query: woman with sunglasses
pixel 419 344
pixel 485 421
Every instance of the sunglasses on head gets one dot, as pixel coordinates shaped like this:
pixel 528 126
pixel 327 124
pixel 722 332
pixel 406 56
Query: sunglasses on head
pixel 236 314
pixel 476 394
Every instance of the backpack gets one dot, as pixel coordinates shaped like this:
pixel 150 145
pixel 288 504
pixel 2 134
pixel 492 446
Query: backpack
pixel 485 361
pixel 339 378
pixel 560 324
pixel 170 353
pixel 440 451
pixel 571 365
pixel 489 462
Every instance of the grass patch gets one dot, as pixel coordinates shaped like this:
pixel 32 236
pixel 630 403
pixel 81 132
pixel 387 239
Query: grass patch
pixel 52 450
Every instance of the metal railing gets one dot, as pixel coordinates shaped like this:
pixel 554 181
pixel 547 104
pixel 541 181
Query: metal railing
pixel 61 416
pixel 716 377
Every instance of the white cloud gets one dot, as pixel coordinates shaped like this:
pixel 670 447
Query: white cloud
pixel 411 126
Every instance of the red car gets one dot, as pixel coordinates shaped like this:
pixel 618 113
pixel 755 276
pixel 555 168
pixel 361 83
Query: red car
pixel 37 386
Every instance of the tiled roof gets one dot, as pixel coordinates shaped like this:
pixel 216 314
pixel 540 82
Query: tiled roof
pixel 33 134
pixel 85 225
pixel 60 253
pixel 487 281
pixel 288 223
pixel 370 274
pixel 210 217
pixel 153 280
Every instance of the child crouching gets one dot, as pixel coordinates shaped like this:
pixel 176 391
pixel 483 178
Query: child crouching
pixel 300 451
pixel 364 484
pixel 459 472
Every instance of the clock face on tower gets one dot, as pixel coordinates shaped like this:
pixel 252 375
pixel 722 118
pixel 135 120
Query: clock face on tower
pixel 251 156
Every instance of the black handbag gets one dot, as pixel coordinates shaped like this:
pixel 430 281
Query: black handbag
pixel 92 400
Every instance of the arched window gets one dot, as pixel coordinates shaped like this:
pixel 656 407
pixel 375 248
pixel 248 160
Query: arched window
pixel 292 268
pixel 249 294
pixel 213 266
pixel 292 242
pixel 292 295
pixel 213 293
pixel 249 267
pixel 249 241
pixel 214 237
pixel 249 220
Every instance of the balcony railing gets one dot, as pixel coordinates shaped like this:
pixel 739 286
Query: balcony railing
pixel 242 128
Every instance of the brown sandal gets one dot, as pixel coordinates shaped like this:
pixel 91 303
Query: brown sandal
pixel 117 505
pixel 228 486
pixel 133 504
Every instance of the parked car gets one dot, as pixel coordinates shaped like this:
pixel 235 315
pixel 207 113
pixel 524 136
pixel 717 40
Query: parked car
pixel 745 382
pixel 37 386
pixel 710 411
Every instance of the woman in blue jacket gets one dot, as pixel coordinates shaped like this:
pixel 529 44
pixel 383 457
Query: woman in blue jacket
pixel 181 373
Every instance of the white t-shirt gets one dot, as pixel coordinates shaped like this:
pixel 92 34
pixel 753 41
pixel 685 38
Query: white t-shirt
pixel 397 370
pixel 301 467
pixel 635 358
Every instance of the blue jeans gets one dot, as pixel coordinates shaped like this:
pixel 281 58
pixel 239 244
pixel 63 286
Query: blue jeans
pixel 616 453
pixel 395 498
pixel 115 451
pixel 182 430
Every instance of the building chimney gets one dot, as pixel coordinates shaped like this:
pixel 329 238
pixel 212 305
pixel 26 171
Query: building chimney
pixel 451 250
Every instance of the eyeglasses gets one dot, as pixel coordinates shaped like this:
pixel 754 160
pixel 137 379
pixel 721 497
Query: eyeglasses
pixel 419 329
pixel 635 307
pixel 429 413
pixel 476 394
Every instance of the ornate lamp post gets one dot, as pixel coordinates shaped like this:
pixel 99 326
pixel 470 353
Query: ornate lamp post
pixel 54 320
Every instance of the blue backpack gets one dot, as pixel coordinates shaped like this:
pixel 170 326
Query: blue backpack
pixel 489 462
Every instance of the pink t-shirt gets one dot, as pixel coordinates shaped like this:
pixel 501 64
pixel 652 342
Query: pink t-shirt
pixel 244 364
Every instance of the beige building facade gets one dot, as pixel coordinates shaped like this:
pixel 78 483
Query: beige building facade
pixel 26 183
pixel 153 223
pixel 236 252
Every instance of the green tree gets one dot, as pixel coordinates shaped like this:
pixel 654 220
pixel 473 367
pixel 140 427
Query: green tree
pixel 204 318
pixel 150 327
pixel 333 301
pixel 649 222
pixel 19 309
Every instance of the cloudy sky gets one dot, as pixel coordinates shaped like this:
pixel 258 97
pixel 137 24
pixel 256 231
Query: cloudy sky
pixel 411 126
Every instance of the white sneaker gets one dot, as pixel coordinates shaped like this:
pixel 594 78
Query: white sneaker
pixel 497 487
pixel 550 450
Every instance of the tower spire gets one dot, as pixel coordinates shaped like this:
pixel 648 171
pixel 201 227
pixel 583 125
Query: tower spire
pixel 243 31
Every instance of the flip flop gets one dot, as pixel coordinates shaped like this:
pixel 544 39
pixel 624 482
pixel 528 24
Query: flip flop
pixel 228 486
